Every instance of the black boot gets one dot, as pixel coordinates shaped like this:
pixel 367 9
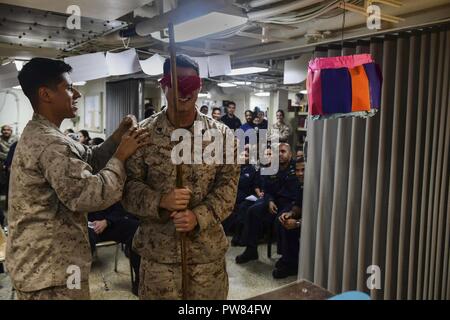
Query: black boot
pixel 284 272
pixel 248 255
pixel 279 264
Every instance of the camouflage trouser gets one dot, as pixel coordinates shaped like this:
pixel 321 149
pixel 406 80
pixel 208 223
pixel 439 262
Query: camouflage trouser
pixel 163 281
pixel 57 293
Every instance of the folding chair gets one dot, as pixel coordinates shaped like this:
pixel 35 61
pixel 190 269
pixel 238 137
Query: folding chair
pixel 109 244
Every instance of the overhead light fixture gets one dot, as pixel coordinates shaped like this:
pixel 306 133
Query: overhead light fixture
pixel 214 22
pixel 17 87
pixel 263 94
pixel 204 95
pixel 79 83
pixel 242 83
pixel 226 85
pixel 304 91
pixel 247 70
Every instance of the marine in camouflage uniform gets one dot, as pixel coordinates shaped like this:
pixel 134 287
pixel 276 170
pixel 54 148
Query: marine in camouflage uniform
pixel 7 139
pixel 150 175
pixel 5 143
pixel 52 189
pixel 280 129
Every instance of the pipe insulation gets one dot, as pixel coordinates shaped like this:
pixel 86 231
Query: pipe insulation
pixel 260 3
pixel 262 14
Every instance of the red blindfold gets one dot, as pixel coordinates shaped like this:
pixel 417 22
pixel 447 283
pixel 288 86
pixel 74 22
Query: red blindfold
pixel 186 85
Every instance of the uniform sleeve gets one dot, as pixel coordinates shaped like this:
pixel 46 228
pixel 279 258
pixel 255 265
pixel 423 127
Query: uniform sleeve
pixel 297 209
pixel 139 199
pixel 219 203
pixel 75 184
pixel 3 153
pixel 9 157
pixel 100 155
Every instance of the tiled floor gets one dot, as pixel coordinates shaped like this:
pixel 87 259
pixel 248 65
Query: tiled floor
pixel 246 280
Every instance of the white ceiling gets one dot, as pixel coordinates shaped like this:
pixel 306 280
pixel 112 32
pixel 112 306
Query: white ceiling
pixel 99 9
pixel 30 32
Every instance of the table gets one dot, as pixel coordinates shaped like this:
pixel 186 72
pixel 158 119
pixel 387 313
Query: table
pixel 299 290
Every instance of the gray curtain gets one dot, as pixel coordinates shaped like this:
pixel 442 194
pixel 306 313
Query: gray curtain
pixel 123 98
pixel 377 190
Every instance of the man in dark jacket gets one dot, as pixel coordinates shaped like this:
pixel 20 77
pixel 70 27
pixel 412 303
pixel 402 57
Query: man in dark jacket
pixel 288 232
pixel 115 224
pixel 279 195
pixel 246 188
pixel 230 119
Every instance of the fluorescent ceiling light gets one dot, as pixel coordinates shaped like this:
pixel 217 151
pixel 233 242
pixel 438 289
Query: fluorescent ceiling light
pixel 17 87
pixel 262 94
pixel 226 85
pixel 214 22
pixel 248 70
pixel 204 95
pixel 242 83
pixel 303 91
pixel 79 83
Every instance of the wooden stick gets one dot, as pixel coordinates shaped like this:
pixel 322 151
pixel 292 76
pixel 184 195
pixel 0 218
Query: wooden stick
pixel 179 167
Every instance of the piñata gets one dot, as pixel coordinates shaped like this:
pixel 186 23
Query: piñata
pixel 344 86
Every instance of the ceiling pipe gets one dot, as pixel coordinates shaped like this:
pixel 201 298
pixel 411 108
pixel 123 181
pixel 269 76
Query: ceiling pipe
pixel 262 14
pixel 260 3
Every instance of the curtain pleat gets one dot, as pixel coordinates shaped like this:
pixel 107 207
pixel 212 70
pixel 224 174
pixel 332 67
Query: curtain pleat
pixel 418 165
pixel 368 185
pixel 339 204
pixel 382 183
pixel 377 190
pixel 407 190
pixel 444 223
pixel 311 195
pixel 122 98
pixel 438 230
pixel 430 164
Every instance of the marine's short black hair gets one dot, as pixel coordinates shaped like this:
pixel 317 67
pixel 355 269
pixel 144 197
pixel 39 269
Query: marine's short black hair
pixel 249 111
pixel 41 72
pixel 280 111
pixel 183 61
pixel 216 108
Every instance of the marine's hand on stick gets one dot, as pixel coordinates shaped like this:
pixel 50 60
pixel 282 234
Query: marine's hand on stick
pixel 184 221
pixel 176 200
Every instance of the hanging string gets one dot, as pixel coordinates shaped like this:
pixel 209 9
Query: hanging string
pixel 343 26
